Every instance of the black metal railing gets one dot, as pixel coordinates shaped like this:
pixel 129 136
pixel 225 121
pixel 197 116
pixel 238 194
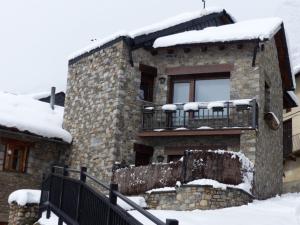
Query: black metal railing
pixel 229 115
pixel 76 202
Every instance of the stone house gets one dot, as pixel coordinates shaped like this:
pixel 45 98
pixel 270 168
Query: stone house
pixel 149 95
pixel 31 140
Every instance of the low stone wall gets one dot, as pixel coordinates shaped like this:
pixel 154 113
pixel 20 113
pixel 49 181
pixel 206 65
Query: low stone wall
pixel 23 215
pixel 191 197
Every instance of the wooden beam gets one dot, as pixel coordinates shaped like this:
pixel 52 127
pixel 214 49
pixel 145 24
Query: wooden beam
pixel 173 133
pixel 218 68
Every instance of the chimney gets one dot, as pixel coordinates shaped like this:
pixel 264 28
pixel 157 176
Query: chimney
pixel 52 98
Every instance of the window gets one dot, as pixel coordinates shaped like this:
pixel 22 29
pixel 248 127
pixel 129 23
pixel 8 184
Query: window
pixel 267 98
pixel 15 156
pixel 148 73
pixel 202 88
pixel 146 88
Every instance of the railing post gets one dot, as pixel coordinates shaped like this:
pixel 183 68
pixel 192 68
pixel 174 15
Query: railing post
pixel 172 222
pixel 83 170
pixel 228 114
pixel 82 174
pixel 65 173
pixel 48 213
pixel 112 200
pixel 112 196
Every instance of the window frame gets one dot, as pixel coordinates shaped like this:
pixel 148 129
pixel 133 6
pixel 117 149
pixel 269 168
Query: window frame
pixel 191 78
pixel 8 161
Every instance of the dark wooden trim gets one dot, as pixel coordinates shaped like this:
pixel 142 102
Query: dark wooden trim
pixel 221 132
pixel 149 70
pixel 284 60
pixel 205 69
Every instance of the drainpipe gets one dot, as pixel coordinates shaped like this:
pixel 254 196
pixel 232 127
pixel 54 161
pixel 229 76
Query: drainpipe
pixel 52 98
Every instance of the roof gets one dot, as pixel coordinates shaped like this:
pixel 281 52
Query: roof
pixel 259 29
pixel 25 114
pixel 186 21
pixel 290 100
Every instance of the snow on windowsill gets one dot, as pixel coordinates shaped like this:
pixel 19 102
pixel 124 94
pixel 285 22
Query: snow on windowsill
pixel 25 196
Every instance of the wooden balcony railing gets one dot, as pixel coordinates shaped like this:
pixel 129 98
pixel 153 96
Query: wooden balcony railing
pixel 201 116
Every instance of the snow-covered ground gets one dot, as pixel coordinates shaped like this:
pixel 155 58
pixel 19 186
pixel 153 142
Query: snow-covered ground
pixel 284 210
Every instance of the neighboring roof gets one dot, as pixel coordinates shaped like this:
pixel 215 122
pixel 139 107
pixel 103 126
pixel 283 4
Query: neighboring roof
pixel 28 115
pixel 187 21
pixel 297 71
pixel 290 100
pixel 259 29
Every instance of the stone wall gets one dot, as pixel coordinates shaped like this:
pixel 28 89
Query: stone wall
pixel 269 148
pixel 191 197
pixel 41 156
pixel 23 215
pixel 100 101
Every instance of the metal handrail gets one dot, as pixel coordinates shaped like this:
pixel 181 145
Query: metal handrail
pixel 113 193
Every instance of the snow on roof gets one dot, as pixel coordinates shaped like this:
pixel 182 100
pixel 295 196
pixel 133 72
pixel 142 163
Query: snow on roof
pixel 293 96
pixel 43 94
pixel 261 29
pixel 25 196
pixel 27 114
pixel 181 18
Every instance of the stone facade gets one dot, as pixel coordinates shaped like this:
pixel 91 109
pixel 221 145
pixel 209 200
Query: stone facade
pixel 99 109
pixel 23 215
pixel 191 197
pixel 41 156
pixel 103 112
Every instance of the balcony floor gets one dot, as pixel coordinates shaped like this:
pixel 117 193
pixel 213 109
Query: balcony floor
pixel 208 132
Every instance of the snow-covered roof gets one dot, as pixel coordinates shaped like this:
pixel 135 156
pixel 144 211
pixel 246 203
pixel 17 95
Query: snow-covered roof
pixel 36 117
pixel 293 96
pixel 261 29
pixel 181 18
pixel 42 94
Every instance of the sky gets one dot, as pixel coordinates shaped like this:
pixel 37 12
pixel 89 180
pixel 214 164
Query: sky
pixel 37 36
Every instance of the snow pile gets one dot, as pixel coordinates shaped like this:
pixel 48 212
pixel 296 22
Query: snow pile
pixel 182 18
pixel 241 102
pixel 169 107
pixel 27 114
pixel 191 106
pixel 53 220
pixel 164 189
pixel 216 104
pixel 25 196
pixel 275 211
pixel 262 29
pixel 140 201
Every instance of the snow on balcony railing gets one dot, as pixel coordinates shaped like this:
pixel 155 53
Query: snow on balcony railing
pixel 198 115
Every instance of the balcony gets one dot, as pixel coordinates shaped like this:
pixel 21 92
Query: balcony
pixel 197 116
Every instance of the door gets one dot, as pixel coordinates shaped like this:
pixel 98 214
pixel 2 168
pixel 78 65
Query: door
pixel 287 137
pixel 143 154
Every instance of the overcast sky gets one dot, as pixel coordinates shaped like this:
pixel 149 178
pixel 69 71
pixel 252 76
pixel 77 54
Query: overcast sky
pixel 38 35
